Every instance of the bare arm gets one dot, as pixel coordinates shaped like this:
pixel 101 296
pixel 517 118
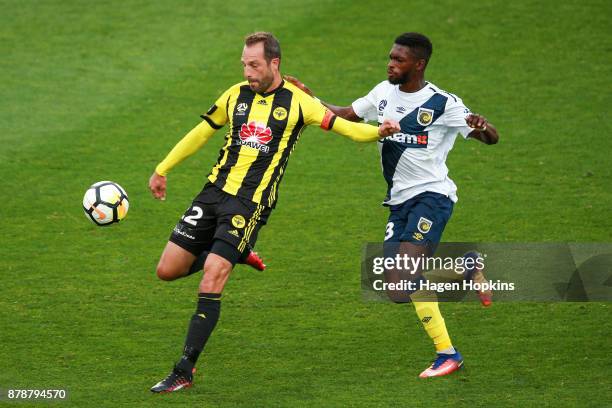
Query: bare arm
pixel 345 112
pixel 483 130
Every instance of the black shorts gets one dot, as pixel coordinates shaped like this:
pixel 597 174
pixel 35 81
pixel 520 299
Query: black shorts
pixel 221 223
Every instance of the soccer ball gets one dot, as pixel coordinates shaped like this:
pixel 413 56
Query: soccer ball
pixel 105 203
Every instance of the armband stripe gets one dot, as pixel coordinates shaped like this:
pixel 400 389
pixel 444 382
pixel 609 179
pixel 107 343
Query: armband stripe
pixel 210 122
pixel 212 110
pixel 328 120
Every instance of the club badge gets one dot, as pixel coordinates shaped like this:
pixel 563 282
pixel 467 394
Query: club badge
pixel 238 221
pixel 425 116
pixel 424 225
pixel 279 113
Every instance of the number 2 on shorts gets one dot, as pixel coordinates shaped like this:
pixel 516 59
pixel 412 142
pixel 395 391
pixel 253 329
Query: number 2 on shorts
pixel 193 219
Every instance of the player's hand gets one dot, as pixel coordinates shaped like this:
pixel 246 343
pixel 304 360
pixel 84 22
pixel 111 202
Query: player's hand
pixel 476 121
pixel 388 128
pixel 298 83
pixel 157 185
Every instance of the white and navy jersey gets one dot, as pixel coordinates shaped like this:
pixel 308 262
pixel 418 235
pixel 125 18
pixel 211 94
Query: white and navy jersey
pixel 414 160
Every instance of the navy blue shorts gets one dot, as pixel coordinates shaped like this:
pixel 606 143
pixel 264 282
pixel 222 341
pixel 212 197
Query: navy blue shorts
pixel 420 220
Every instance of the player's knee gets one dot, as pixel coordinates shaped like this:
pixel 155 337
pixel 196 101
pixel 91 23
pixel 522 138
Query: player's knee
pixel 165 273
pixel 399 296
pixel 215 276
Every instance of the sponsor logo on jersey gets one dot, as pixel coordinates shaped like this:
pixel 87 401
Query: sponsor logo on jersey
pixel 424 225
pixel 279 113
pixel 238 221
pixel 425 116
pixel 256 135
pixel 418 236
pixel 234 233
pixel 415 141
pixel 262 102
pixel 381 105
pixel 400 110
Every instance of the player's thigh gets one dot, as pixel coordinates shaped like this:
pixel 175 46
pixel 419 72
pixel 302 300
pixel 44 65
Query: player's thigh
pixel 427 219
pixel 195 231
pixel 395 225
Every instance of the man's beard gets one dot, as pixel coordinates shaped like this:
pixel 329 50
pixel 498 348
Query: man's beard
pixel 400 80
pixel 263 85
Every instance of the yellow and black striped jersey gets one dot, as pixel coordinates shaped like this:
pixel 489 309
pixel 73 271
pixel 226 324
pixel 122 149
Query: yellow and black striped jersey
pixel 263 130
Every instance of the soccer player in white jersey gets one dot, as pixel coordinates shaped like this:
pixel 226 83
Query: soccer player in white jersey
pixel 420 194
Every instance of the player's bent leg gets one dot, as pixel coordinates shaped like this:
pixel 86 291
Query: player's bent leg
pixel 217 269
pixel 174 262
pixel 248 257
pixel 398 277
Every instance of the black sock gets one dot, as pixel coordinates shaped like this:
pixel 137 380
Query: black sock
pixel 201 326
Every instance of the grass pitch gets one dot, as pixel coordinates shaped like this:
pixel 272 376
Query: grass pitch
pixel 94 91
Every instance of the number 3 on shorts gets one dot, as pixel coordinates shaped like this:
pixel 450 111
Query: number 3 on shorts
pixel 389 232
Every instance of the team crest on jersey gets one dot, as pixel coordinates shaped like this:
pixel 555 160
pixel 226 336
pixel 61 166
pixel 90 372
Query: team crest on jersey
pixel 425 116
pixel 256 135
pixel 424 225
pixel 279 113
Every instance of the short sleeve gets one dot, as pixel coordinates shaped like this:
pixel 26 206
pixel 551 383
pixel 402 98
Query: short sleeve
pixel 455 114
pixel 367 107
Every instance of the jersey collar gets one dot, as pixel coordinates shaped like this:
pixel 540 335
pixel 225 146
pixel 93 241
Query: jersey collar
pixel 266 94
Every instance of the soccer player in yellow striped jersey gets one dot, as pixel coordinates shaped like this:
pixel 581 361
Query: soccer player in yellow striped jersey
pixel 265 117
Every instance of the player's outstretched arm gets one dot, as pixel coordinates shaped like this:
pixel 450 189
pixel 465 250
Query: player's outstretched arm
pixel 483 130
pixel 359 132
pixel 190 144
pixel 345 112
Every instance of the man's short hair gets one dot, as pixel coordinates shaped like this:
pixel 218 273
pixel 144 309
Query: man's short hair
pixel 271 45
pixel 420 45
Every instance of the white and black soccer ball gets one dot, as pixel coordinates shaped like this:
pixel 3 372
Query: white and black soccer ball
pixel 105 203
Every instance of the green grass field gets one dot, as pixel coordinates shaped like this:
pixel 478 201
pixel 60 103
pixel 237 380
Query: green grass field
pixel 94 91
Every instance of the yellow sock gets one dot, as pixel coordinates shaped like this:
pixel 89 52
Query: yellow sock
pixel 433 322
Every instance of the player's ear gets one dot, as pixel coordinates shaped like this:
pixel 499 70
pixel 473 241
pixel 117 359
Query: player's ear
pixel 421 64
pixel 275 62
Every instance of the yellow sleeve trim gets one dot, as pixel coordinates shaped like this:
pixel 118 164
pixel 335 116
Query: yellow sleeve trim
pixel 359 132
